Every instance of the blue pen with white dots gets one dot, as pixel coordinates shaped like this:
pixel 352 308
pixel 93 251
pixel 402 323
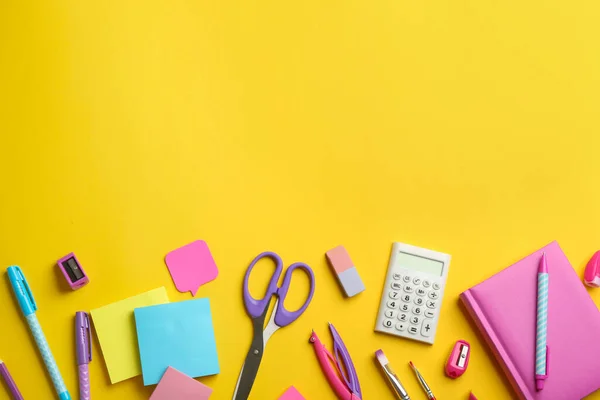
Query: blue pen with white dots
pixel 29 307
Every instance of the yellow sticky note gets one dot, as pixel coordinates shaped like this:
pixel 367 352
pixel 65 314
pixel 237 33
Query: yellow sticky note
pixel 115 327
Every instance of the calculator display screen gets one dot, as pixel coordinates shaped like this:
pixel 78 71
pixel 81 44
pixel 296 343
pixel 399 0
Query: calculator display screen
pixel 420 264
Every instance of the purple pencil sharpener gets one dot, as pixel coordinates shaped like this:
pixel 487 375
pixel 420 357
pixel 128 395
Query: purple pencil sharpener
pixel 71 269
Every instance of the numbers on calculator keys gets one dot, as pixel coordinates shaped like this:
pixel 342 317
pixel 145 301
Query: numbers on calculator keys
pixel 411 300
pixel 406 298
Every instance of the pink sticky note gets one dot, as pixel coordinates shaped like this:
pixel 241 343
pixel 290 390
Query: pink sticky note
pixel 292 394
pixel 175 385
pixel 191 266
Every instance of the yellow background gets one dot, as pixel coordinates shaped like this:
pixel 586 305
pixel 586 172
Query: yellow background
pixel 129 128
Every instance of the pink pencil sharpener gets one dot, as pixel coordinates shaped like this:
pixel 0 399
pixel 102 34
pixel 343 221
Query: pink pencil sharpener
pixel 73 272
pixel 459 359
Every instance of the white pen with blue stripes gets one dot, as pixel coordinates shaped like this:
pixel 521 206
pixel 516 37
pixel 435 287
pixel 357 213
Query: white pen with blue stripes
pixel 541 331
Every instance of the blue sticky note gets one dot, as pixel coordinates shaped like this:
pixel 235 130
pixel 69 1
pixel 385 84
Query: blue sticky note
pixel 178 335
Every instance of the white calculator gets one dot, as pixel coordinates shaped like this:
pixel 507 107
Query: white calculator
pixel 413 292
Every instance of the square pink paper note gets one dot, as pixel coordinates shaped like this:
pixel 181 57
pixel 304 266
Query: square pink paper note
pixel 175 385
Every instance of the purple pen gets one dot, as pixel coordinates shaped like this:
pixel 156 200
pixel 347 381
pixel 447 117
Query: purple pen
pixel 12 386
pixel 83 340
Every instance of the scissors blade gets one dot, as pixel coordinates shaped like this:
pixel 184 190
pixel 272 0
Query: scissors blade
pixel 253 359
pixel 271 327
pixel 249 369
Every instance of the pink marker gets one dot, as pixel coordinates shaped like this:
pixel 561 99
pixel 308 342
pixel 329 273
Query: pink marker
pixel 345 271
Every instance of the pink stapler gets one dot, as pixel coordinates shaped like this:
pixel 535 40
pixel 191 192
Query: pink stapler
pixel 337 367
pixel 591 277
pixel 459 359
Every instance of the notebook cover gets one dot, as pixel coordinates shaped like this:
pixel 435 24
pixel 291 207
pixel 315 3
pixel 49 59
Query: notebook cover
pixel 503 308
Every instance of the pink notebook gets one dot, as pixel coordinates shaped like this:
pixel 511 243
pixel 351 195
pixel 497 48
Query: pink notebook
pixel 504 310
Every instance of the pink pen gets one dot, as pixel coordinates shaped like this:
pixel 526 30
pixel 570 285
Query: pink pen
pixel 83 340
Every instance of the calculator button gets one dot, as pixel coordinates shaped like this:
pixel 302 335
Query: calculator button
pixel 394 295
pixel 426 283
pixel 390 313
pixel 396 285
pixel 388 323
pixel 417 281
pixel 421 292
pixel 436 286
pixel 417 310
pixel 415 320
pixel 427 328
pixel 406 278
pixel 392 304
pixel 404 307
pixel 396 276
pixel 406 298
pixel 431 304
pixel 413 329
pixel 409 289
pixel 419 301
pixel 429 314
pixel 403 317
pixel 401 326
pixel 433 295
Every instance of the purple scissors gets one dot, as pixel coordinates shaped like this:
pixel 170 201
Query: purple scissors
pixel 280 317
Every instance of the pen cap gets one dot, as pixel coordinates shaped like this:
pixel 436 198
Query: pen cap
pixel 83 338
pixel 22 290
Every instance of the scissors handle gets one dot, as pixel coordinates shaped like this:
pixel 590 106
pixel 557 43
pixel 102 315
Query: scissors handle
pixel 284 317
pixel 257 307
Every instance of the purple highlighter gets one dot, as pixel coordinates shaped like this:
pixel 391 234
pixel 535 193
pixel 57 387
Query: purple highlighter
pixel 10 383
pixel 71 269
pixel 83 341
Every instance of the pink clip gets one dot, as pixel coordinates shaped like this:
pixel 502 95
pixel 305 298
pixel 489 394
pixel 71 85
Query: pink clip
pixel 459 359
pixel 591 277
